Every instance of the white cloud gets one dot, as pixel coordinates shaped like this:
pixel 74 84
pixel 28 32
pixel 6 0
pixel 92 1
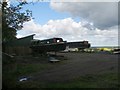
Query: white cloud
pixel 102 14
pixel 85 0
pixel 70 30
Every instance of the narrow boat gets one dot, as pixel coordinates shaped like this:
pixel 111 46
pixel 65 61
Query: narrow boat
pixel 48 45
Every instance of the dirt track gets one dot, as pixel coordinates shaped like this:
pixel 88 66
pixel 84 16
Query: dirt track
pixel 78 64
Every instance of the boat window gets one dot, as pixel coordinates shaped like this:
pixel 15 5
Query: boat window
pixel 61 40
pixel 58 40
pixel 48 42
pixel 43 42
pixel 54 40
pixel 85 42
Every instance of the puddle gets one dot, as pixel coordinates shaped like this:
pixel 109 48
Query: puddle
pixel 24 79
pixel 52 59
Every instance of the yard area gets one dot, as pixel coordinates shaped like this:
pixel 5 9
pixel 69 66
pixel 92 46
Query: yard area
pixel 75 70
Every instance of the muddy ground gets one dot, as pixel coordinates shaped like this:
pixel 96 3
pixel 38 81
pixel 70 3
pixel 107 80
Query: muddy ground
pixel 73 65
pixel 76 65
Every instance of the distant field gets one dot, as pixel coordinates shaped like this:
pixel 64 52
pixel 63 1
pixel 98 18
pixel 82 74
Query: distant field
pixel 75 70
pixel 105 46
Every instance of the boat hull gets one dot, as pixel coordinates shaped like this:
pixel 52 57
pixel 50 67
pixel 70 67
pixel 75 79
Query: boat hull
pixel 49 47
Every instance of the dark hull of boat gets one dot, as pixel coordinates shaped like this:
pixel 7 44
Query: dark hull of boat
pixel 49 47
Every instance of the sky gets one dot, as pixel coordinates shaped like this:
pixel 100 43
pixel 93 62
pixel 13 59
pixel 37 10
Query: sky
pixel 96 22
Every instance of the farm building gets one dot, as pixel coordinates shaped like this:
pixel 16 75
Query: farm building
pixel 19 46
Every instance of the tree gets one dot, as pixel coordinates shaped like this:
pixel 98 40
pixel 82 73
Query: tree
pixel 13 19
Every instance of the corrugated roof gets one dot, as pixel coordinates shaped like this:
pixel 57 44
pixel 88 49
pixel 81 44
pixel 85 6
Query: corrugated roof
pixel 24 41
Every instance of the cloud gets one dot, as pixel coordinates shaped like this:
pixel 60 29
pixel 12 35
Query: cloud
pixel 102 14
pixel 70 30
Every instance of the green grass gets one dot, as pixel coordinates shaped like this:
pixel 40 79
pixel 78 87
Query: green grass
pixel 88 81
pixel 13 71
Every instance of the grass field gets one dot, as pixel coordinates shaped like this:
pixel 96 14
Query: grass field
pixel 88 81
pixel 75 70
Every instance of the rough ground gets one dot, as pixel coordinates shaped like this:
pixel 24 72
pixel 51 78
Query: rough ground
pixel 76 65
